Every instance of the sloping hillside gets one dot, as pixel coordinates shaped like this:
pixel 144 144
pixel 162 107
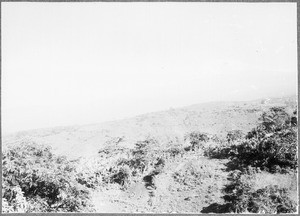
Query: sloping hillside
pixel 175 161
pixel 170 125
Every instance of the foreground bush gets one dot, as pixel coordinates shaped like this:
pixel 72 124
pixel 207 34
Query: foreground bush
pixel 271 146
pixel 35 180
pixel 242 198
pixel 276 152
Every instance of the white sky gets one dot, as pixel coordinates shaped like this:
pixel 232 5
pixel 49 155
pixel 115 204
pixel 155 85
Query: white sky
pixel 79 63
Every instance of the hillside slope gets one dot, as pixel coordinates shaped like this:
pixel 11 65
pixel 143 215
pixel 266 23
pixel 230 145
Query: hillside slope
pixel 213 118
pixel 174 161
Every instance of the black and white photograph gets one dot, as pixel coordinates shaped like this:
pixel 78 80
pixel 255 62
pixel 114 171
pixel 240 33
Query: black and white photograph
pixel 149 107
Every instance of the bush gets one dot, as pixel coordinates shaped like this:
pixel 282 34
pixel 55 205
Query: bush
pixel 276 150
pixel 275 119
pixel 35 180
pixel 89 179
pixel 193 173
pixel 196 140
pixel 143 160
pixel 234 135
pixel 271 199
pixel 146 156
pixel 7 208
pixel 17 202
pixel 219 152
pixel 243 198
pixel 121 175
pixel 271 146
pixel 172 152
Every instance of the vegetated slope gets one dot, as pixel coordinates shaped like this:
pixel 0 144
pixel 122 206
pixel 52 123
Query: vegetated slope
pixel 212 157
pixel 214 118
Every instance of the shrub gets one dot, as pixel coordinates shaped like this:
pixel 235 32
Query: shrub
pixel 6 207
pixel 88 179
pixel 234 135
pixel 174 151
pixel 196 140
pixel 222 151
pixel 243 198
pixel 43 182
pixel 17 200
pixel 143 159
pixel 121 176
pixel 272 145
pixel 271 199
pixel 146 156
pixel 275 119
pixel 216 139
pixel 277 150
pixel 193 173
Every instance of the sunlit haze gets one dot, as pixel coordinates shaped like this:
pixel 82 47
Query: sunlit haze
pixel 80 63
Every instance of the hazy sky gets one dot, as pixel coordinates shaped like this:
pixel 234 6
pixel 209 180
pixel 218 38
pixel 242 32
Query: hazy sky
pixel 79 63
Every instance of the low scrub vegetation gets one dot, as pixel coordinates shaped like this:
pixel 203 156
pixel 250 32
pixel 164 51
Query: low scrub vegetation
pixel 243 198
pixel 271 147
pixel 196 140
pixel 35 180
pixel 234 135
pixel 143 160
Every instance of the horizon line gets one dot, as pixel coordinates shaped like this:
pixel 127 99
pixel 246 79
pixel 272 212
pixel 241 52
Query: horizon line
pixel 137 115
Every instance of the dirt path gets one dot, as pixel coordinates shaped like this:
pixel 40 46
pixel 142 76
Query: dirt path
pixel 188 193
